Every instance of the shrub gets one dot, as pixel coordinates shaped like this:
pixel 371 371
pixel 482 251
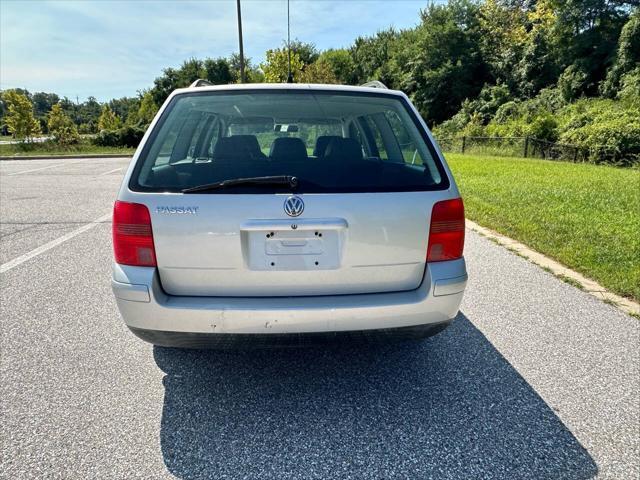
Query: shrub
pixel 108 120
pixel 573 82
pixel 605 130
pixel 544 127
pixel 107 138
pixel 611 135
pixel 127 136
pixel 548 100
pixel 630 87
pixel 61 126
pixel 453 127
pixel 507 111
pixel 130 136
pixel 491 98
pixel 85 128
pixel 475 127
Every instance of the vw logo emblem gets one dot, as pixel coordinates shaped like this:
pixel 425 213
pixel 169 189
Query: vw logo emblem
pixel 294 206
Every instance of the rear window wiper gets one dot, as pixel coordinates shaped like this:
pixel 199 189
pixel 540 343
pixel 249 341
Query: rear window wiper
pixel 266 180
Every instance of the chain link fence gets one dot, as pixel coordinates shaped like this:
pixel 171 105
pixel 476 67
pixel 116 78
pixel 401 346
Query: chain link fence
pixel 529 147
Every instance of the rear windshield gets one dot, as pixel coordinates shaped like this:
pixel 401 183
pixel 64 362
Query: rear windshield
pixel 330 141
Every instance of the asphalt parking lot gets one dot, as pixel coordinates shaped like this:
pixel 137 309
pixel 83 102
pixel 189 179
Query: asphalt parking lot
pixel 535 379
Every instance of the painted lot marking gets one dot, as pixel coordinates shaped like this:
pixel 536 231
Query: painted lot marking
pixel 5 267
pixel 36 169
pixel 111 171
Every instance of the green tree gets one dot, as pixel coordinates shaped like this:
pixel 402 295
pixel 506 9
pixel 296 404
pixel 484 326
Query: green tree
pixel 318 72
pixel 61 126
pixel 19 117
pixel 108 120
pixel 70 108
pixel 504 34
pixel 630 87
pixel 627 56
pixel 537 68
pixel 439 63
pixel 165 84
pixel 372 55
pixel 147 110
pixel 276 66
pixel 191 70
pixel 307 52
pixel 252 74
pixel 574 82
pixel 217 71
pixel 587 33
pixel 341 63
pixel 44 102
pixel 88 112
pixel 123 107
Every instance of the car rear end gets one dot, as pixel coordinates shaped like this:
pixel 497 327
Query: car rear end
pixel 281 210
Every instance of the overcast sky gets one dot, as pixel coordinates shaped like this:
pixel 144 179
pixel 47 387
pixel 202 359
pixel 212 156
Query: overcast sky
pixel 112 49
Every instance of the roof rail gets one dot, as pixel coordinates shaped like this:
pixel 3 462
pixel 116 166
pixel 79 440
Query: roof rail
pixel 201 83
pixel 374 84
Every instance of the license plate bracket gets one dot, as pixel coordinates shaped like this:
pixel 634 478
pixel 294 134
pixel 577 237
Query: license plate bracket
pixel 293 246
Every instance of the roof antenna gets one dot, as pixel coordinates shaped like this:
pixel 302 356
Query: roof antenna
pixel 290 76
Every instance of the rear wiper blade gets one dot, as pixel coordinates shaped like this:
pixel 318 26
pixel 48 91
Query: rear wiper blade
pixel 266 180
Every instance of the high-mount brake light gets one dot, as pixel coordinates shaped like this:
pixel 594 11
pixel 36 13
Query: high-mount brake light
pixel 132 235
pixel 446 234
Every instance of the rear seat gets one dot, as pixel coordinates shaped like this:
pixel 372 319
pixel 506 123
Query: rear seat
pixel 288 149
pixel 238 146
pixel 322 142
pixel 343 150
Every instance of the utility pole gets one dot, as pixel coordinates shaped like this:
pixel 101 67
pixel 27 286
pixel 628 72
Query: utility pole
pixel 240 40
pixel 290 76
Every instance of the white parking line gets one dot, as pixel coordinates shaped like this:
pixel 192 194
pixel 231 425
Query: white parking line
pixel 111 171
pixel 5 267
pixel 36 169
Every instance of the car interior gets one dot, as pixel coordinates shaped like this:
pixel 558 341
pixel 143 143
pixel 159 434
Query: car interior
pixel 325 153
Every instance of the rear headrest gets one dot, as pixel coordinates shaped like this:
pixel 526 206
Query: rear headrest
pixel 164 175
pixel 238 146
pixel 322 142
pixel 344 149
pixel 287 149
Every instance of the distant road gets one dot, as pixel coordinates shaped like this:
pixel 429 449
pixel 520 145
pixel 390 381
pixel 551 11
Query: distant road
pixel 14 141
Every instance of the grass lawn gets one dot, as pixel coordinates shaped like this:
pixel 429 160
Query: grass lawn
pixel 50 148
pixel 585 216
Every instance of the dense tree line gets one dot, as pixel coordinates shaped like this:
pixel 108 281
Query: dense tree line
pixel 547 68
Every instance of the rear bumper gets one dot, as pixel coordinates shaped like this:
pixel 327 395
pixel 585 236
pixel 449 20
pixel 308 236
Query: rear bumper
pixel 145 307
pixel 235 341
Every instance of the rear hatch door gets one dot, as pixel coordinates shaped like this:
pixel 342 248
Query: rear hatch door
pixel 246 245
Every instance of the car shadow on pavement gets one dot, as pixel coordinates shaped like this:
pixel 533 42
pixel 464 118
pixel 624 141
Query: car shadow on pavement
pixel 447 407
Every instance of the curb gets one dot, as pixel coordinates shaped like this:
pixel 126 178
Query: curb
pixel 53 157
pixel 591 287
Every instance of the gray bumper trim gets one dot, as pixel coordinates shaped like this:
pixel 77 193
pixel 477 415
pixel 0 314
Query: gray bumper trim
pixel 449 286
pixel 133 293
pixel 255 341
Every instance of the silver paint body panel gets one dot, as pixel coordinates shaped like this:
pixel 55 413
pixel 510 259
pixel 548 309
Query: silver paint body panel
pixel 286 314
pixel 220 269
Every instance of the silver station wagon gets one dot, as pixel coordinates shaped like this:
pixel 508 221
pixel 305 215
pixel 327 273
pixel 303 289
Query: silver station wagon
pixel 287 212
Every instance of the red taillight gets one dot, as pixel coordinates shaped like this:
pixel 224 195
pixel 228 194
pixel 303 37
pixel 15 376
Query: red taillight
pixel 132 235
pixel 446 234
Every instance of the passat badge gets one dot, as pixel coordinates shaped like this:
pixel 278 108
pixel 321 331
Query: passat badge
pixel 293 206
pixel 176 210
